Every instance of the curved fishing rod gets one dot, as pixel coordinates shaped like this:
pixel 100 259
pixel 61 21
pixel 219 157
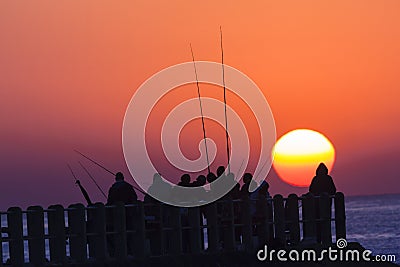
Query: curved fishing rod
pixel 104 168
pixel 201 110
pixel 226 116
pixel 84 192
pixel 262 167
pixel 91 177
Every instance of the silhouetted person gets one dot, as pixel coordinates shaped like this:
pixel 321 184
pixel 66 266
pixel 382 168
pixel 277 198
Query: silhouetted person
pixel 247 178
pixel 322 182
pixel 179 194
pixel 159 187
pixel 153 211
pixel 199 193
pixel 185 180
pixel 120 191
pixel 220 171
pixel 211 177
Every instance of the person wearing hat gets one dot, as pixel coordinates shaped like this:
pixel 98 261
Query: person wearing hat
pixel 121 191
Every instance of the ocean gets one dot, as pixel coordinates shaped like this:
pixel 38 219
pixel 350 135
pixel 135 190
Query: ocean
pixel 373 221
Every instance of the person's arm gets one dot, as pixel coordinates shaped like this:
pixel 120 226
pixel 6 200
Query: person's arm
pixel 312 188
pixel 332 187
pixel 110 198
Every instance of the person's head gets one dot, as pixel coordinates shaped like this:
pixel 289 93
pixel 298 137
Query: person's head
pixel 201 180
pixel 119 176
pixel 211 177
pixel 322 169
pixel 247 178
pixel 264 187
pixel 185 179
pixel 220 171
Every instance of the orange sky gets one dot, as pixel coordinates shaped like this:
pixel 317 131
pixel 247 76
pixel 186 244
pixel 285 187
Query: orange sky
pixel 69 68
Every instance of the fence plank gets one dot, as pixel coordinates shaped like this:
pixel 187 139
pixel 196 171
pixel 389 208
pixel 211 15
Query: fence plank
pixel 309 225
pixel 36 244
pixel 56 225
pixel 212 227
pixel 119 222
pixel 15 233
pixel 227 223
pixel 263 220
pixel 325 208
pixel 77 232
pixel 247 224
pixel 1 241
pixel 97 225
pixel 176 236
pixel 292 218
pixel 140 234
pixel 279 219
pixel 195 234
pixel 340 216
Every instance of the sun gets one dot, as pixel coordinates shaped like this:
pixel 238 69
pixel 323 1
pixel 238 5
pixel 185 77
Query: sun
pixel 298 153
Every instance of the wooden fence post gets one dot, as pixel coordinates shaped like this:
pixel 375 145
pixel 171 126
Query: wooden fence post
pixel 97 225
pixel 247 224
pixel 227 224
pixel 292 218
pixel 56 225
pixel 119 222
pixel 36 244
pixel 264 212
pixel 15 233
pixel 140 233
pixel 340 216
pixel 176 236
pixel 195 235
pixel 325 209
pixel 279 219
pixel 77 232
pixel 1 241
pixel 309 225
pixel 212 227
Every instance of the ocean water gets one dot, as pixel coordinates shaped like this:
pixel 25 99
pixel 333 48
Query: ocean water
pixel 373 221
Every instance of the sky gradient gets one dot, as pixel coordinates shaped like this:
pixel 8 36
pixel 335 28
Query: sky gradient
pixel 68 70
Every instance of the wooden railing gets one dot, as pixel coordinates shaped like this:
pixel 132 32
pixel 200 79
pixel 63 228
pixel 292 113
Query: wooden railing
pixel 139 232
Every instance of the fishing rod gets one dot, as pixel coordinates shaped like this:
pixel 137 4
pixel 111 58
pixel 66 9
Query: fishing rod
pixel 240 167
pixel 201 111
pixel 101 166
pixel 104 168
pixel 226 116
pixel 262 167
pixel 84 192
pixel 91 177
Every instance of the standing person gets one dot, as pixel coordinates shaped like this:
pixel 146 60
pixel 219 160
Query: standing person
pixel 322 183
pixel 247 179
pixel 120 191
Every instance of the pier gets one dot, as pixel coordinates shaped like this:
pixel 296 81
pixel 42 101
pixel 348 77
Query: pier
pixel 150 233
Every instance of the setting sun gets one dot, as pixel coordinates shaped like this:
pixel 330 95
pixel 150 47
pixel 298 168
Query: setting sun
pixel 298 153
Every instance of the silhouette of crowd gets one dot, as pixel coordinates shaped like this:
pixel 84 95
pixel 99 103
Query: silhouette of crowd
pixel 230 207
